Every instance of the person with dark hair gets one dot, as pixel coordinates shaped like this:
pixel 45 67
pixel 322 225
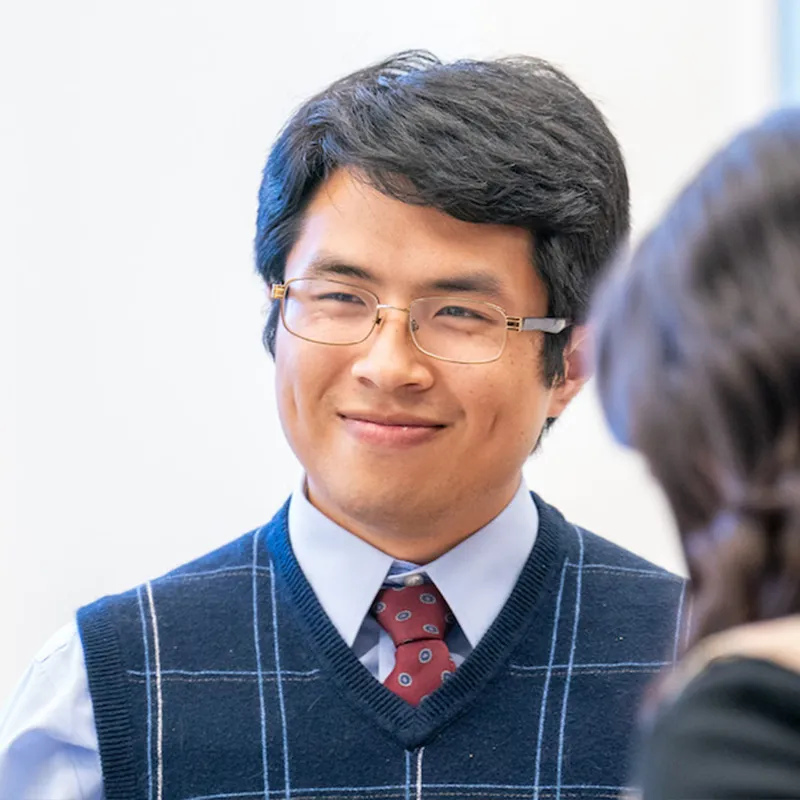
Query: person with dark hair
pixel 698 355
pixel 414 622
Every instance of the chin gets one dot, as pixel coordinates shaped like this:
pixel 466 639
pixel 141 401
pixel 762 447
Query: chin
pixel 376 497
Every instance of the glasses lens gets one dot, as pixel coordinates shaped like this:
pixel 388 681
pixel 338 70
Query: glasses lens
pixel 328 312
pixel 457 329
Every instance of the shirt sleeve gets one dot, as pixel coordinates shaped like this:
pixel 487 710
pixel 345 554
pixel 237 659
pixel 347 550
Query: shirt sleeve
pixel 48 740
pixel 733 733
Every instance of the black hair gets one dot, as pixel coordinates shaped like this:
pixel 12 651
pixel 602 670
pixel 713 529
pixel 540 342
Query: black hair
pixel 698 358
pixel 511 141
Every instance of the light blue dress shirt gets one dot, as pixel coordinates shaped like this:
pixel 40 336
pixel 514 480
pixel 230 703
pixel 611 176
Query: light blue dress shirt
pixel 48 740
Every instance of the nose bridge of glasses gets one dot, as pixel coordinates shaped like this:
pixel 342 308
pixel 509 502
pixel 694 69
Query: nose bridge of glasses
pixel 412 322
pixel 386 307
pixel 394 308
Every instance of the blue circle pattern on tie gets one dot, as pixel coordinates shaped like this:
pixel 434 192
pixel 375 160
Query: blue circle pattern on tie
pixel 402 616
pixel 425 655
pixel 427 598
pixel 430 629
pixel 404 679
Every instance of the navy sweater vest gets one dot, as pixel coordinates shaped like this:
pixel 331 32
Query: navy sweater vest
pixel 225 680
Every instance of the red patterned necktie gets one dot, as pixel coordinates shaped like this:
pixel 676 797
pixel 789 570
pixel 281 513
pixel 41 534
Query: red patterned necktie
pixel 417 618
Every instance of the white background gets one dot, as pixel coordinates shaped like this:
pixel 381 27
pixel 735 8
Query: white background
pixel 137 422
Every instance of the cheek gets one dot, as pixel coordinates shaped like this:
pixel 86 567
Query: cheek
pixel 509 404
pixel 285 393
pixel 305 374
pixel 293 377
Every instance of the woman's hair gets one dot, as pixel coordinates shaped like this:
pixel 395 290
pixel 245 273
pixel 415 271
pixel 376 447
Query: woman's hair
pixel 698 359
pixel 511 141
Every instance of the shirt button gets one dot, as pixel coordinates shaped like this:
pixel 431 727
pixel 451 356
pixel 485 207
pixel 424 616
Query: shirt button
pixel 413 580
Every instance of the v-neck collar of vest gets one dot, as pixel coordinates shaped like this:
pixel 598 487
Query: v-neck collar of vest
pixel 414 726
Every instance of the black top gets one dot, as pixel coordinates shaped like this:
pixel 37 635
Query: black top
pixel 733 733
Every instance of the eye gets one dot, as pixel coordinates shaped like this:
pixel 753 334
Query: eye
pixel 460 312
pixel 341 297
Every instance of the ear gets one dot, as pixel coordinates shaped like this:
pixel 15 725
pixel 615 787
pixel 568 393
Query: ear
pixel 577 370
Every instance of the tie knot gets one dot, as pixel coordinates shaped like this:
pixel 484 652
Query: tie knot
pixel 412 613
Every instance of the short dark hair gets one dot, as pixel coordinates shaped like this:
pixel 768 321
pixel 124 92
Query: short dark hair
pixel 698 358
pixel 512 141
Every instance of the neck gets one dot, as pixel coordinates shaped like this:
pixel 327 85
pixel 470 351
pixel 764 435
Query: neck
pixel 418 535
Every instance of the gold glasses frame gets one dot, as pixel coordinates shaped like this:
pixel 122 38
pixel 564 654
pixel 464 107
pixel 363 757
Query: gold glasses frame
pixel 549 325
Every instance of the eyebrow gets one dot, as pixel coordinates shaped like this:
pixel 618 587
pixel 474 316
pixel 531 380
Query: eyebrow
pixel 476 281
pixel 324 266
pixel 480 282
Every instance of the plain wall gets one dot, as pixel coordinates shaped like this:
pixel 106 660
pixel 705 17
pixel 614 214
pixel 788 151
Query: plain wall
pixel 137 421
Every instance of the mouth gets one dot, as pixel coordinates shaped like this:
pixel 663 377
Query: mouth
pixel 392 430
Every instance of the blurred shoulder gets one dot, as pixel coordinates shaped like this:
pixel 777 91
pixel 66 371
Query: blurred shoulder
pixel 774 641
pixel 730 716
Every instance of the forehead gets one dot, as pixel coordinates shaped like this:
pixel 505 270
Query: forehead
pixel 350 222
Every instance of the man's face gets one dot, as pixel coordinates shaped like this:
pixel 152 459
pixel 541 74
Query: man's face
pixel 468 427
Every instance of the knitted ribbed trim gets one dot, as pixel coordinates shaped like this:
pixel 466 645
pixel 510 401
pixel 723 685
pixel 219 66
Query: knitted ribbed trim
pixel 111 703
pixel 414 726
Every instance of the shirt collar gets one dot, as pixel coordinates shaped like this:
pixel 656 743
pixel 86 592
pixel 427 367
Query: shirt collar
pixel 476 577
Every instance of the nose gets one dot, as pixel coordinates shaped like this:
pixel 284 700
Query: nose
pixel 391 360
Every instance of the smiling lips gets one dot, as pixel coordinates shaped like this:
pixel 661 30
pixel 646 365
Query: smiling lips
pixel 391 430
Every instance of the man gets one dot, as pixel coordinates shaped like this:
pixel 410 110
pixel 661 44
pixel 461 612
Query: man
pixel 413 623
